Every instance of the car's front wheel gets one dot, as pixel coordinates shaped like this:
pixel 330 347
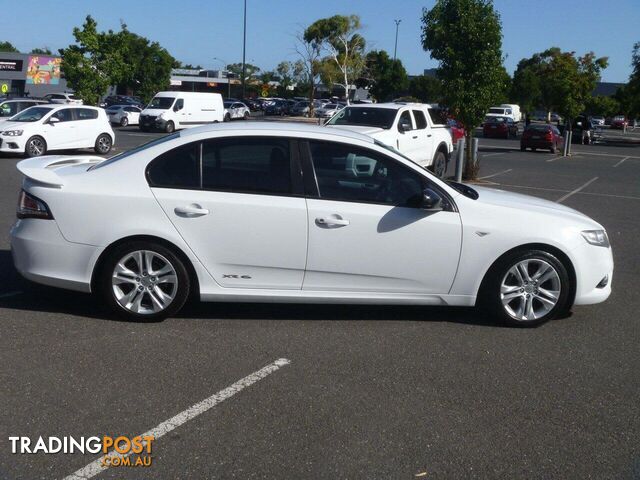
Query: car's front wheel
pixel 526 288
pixel 35 147
pixel 144 281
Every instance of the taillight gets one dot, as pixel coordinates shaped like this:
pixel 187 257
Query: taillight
pixel 548 136
pixel 32 207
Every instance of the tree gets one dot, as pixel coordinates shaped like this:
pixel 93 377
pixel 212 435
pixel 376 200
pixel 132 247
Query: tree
pixel 385 76
pixel 94 63
pixel 338 35
pixel 631 92
pixel 41 51
pixel 250 72
pixel 309 53
pixel 465 36
pixel 602 105
pixel 7 47
pixel 426 88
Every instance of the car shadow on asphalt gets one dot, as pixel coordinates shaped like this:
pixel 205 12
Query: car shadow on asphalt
pixel 27 296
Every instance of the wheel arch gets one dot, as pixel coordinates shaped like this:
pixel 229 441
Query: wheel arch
pixel 442 147
pixel 99 265
pixel 545 247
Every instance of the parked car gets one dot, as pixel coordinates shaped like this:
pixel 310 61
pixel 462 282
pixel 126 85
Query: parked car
pixel 374 228
pixel 408 127
pixel 542 136
pixel 619 122
pixel 43 128
pixel 169 111
pixel 597 120
pixel 506 110
pixel 235 110
pixel 9 108
pixel 328 110
pixel 277 107
pixel 254 105
pixel 63 98
pixel 499 127
pixel 456 129
pixel 122 100
pixel 124 115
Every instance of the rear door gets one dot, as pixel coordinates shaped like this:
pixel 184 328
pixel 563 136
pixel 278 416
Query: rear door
pixel 408 140
pixel 238 203
pixel 87 127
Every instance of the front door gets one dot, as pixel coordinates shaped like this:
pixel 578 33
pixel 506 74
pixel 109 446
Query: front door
pixel 233 202
pixel 61 134
pixel 367 232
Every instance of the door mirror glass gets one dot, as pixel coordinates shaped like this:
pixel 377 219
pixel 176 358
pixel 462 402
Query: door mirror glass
pixel 431 200
pixel 405 127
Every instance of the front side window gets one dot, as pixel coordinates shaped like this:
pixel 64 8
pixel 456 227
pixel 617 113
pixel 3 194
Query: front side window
pixel 405 119
pixel 86 114
pixel 352 174
pixel 248 164
pixel 63 115
pixel 177 168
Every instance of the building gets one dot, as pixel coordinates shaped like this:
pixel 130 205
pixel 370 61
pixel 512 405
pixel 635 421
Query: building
pixel 196 80
pixel 30 74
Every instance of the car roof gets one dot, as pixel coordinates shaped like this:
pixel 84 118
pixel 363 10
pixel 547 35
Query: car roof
pixel 292 128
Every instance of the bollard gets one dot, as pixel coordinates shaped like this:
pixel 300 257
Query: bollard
pixel 459 159
pixel 474 152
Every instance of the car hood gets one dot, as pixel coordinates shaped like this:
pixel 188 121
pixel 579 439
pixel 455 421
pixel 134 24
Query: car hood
pixel 502 198
pixel 154 111
pixel 7 125
pixel 371 131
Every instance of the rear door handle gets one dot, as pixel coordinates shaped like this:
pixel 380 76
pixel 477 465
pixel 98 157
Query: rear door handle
pixel 191 211
pixel 332 221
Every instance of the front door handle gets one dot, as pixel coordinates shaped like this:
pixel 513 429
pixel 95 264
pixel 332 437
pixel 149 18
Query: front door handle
pixel 191 211
pixel 414 137
pixel 332 221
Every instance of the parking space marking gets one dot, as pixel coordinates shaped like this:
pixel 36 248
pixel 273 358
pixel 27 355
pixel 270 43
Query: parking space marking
pixel 9 294
pixel 527 187
pixel 554 158
pixel 495 174
pixel 573 192
pixel 96 467
pixel 621 162
pixel 485 155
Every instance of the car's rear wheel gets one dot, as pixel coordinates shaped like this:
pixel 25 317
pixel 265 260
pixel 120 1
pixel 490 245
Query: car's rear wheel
pixel 35 147
pixel 439 166
pixel 526 288
pixel 522 148
pixel 144 281
pixel 553 148
pixel 124 121
pixel 103 144
pixel 246 115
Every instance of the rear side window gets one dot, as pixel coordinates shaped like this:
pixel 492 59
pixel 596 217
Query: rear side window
pixel 249 164
pixel 86 114
pixel 177 168
pixel 421 120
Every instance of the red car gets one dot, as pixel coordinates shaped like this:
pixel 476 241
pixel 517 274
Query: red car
pixel 500 127
pixel 457 130
pixel 541 136
pixel 619 121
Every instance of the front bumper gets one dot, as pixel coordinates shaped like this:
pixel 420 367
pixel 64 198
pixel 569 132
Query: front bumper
pixel 13 144
pixel 41 254
pixel 592 264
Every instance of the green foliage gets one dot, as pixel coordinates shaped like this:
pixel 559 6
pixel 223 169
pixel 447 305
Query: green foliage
pixel 7 47
pixel 251 71
pixel 385 76
pixel 309 53
pixel 339 37
pixel 602 105
pixel 426 88
pixel 630 95
pixel 465 36
pixel 41 51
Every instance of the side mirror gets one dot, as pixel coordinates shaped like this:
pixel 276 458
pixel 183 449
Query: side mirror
pixel 431 201
pixel 53 120
pixel 405 127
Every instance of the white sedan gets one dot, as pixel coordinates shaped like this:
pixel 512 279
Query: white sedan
pixel 124 115
pixel 236 110
pixel 273 212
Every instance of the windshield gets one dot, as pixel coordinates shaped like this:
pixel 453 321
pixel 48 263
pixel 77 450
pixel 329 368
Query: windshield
pixel 32 114
pixel 227 104
pixel 133 151
pixel 365 117
pixel 162 103
pixel 497 111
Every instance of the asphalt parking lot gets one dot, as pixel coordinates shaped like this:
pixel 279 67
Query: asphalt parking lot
pixel 369 392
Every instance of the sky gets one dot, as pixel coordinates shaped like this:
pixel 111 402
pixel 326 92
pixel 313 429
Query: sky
pixel 209 32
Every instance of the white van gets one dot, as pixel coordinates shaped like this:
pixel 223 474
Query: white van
pixel 506 110
pixel 169 111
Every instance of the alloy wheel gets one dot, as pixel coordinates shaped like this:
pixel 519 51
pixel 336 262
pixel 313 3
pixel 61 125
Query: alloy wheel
pixel 530 289
pixel 36 147
pixel 144 282
pixel 104 144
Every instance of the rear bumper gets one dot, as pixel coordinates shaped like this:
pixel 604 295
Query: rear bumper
pixel 536 143
pixel 42 255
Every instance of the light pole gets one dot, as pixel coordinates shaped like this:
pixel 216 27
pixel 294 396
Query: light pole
pixel 244 49
pixel 395 48
pixel 226 67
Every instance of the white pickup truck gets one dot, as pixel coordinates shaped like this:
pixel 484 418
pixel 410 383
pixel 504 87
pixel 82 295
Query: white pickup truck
pixel 411 128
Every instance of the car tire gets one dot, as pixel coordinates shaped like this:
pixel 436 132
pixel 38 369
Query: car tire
pixel 169 127
pixel 103 144
pixel 35 146
pixel 227 117
pixel 523 148
pixel 526 288
pixel 124 121
pixel 134 293
pixel 246 115
pixel 439 165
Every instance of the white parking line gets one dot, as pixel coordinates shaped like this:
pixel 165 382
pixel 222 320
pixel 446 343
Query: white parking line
pixel 621 161
pixel 495 174
pixel 9 294
pixel 572 192
pixel 554 158
pixel 608 195
pixel 485 155
pixel 96 467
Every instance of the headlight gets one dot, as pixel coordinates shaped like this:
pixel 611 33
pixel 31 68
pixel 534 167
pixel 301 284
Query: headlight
pixel 12 133
pixel 596 237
